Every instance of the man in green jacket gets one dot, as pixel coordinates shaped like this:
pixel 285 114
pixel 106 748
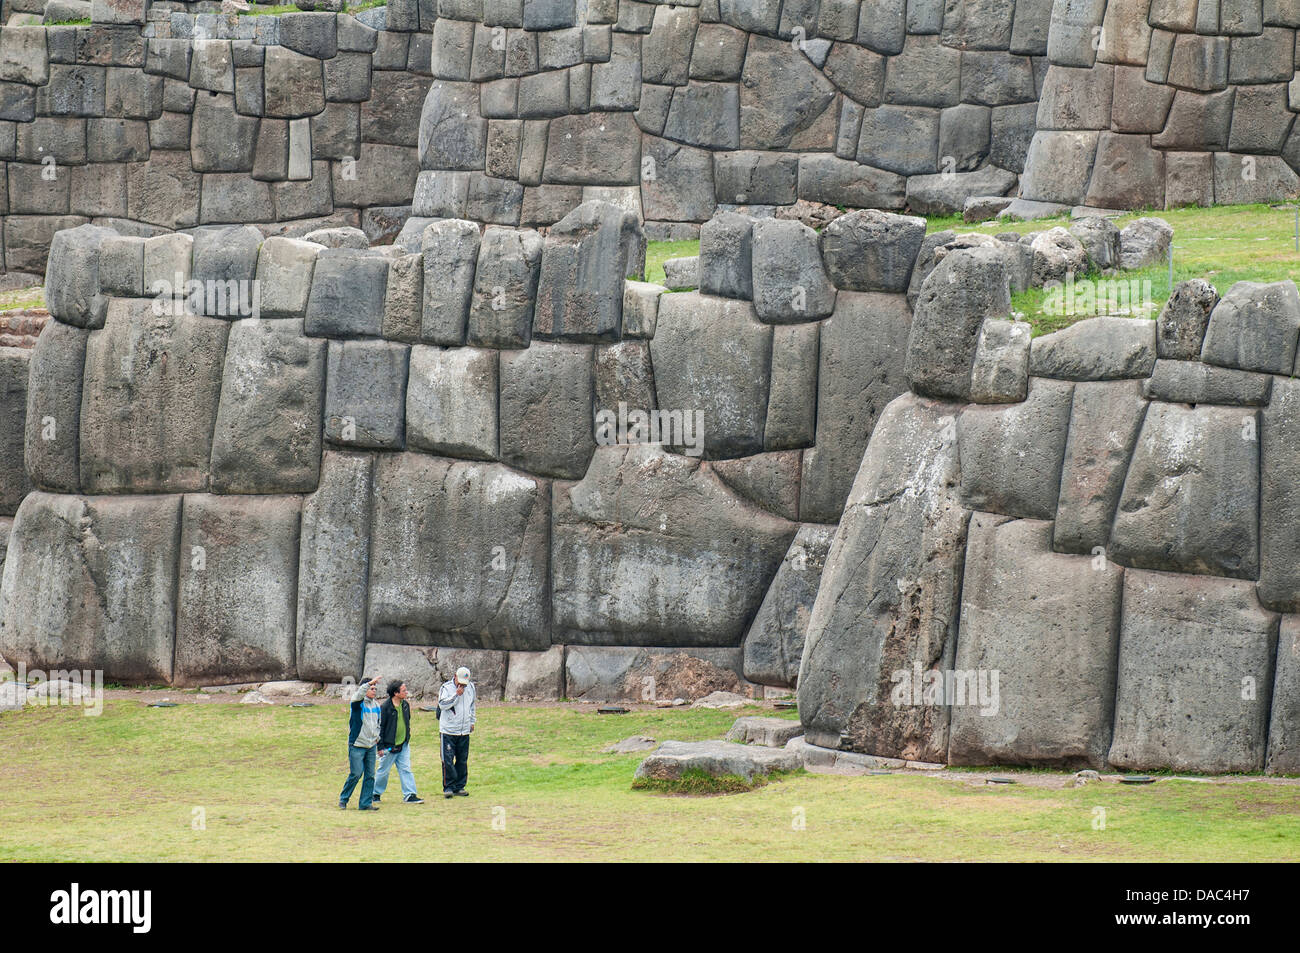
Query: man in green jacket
pixel 395 743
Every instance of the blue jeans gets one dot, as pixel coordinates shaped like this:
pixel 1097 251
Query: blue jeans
pixel 403 759
pixel 361 767
pixel 455 763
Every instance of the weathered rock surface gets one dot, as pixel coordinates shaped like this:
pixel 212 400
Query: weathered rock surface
pixel 889 591
pixel 716 759
pixel 1188 645
pixel 703 557
pixel 1034 677
pixel 458 554
pixel 107 596
pixel 774 642
pixel 1191 498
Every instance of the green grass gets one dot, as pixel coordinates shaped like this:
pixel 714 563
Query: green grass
pixel 132 783
pixel 262 10
pixel 1222 245
pixel 658 252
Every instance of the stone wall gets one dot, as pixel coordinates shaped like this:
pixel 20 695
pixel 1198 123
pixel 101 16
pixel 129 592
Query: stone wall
pixel 1106 518
pixel 431 448
pixel 683 109
pixel 188 120
pixel 158 120
pixel 1161 103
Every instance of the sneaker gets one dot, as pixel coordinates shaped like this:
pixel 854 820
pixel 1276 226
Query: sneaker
pixel 375 799
pixel 462 793
pixel 343 805
pixel 372 807
pixel 449 794
pixel 413 799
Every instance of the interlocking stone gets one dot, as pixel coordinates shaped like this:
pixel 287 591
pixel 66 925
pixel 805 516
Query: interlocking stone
pixel 268 426
pixel 149 400
pixel 1191 497
pixel 1186 645
pixel 459 554
pixel 1019 602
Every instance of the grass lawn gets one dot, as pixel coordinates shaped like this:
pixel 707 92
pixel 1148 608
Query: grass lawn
pixel 128 785
pixel 1222 245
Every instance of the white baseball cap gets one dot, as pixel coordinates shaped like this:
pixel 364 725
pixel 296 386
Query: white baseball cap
pixel 462 675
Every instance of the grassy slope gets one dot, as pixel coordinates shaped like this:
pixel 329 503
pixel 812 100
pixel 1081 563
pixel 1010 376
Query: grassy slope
pixel 1223 245
pixel 123 787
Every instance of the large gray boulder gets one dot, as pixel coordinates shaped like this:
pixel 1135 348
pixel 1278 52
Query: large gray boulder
pixel 53 412
pixel 712 357
pixel 459 554
pixel 149 400
pixel 768 732
pixel 726 256
pixel 1096 349
pixel 451 250
pixel 1036 651
pixel 628 673
pixel 267 433
pixel 704 556
pixel 333 563
pixel 1191 497
pixel 14 482
pixel 1105 417
pixel 237 587
pixel 546 409
pixel 717 759
pixel 860 370
pixel 1279 500
pixel 1284 724
pixel 451 402
pixel 1057 255
pixel 91 583
pixel 1181 325
pixel 963 289
pixel 72 276
pixel 870 250
pixel 1011 454
pixel 1000 371
pixel 889 591
pixel 1195 666
pixel 505 287
pixel 1144 242
pixel 1255 327
pixel 586 256
pixel 789 280
pixel 774 642
pixel 348 287
pixel 365 394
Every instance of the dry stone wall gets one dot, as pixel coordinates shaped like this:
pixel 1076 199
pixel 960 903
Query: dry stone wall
pixel 1090 565
pixel 261 457
pixel 678 110
pixel 1162 103
pixel 183 120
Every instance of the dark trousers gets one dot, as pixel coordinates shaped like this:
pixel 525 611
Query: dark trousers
pixel 455 762
pixel 361 767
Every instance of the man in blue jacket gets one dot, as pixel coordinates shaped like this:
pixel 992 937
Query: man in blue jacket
pixel 363 736
pixel 456 717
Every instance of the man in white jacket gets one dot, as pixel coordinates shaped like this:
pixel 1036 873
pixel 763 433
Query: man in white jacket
pixel 456 717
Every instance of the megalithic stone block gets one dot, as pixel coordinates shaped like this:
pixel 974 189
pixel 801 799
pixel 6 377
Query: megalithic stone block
pixel 149 400
pixel 333 566
pixel 585 258
pixel 236 587
pixel 90 582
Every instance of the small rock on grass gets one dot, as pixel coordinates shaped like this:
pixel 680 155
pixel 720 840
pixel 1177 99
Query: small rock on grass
pixel 629 745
